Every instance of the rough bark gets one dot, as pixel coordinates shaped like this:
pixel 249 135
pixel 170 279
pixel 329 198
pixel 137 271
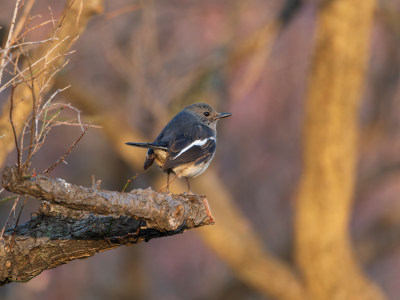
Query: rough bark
pixel 78 222
pixel 323 248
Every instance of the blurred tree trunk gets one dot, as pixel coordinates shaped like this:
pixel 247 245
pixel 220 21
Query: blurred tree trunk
pixel 323 248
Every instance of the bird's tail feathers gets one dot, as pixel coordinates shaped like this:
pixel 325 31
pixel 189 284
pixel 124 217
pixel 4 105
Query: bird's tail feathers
pixel 147 145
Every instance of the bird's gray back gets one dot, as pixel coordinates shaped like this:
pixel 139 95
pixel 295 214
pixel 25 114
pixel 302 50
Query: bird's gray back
pixel 186 124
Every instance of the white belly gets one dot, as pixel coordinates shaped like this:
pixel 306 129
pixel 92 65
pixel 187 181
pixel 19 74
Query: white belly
pixel 191 170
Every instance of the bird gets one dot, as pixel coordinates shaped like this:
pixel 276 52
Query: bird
pixel 187 144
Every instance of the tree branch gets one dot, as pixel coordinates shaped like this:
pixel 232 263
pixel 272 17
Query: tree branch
pixel 78 222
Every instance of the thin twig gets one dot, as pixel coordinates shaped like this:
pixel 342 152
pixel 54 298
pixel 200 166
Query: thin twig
pixel 128 182
pixel 165 186
pixel 8 198
pixel 22 19
pixel 70 123
pixel 19 159
pixel 29 29
pixel 17 222
pixel 56 93
pixel 33 124
pixel 62 158
pixel 10 34
pixel 28 43
pixel 45 57
pixel 9 215
pixel 78 18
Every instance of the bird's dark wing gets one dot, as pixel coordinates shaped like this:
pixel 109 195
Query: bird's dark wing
pixel 196 145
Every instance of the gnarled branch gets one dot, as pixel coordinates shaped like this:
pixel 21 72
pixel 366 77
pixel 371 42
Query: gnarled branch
pixel 77 222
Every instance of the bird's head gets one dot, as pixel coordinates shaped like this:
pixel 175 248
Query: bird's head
pixel 206 113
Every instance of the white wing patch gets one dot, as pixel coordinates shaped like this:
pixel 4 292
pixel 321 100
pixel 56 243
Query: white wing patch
pixel 195 143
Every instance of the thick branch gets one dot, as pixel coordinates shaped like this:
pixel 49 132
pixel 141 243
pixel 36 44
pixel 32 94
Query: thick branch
pixel 160 210
pixel 83 221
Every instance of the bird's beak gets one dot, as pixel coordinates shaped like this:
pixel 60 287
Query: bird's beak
pixel 223 115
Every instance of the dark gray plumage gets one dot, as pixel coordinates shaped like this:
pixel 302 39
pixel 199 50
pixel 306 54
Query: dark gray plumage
pixel 187 143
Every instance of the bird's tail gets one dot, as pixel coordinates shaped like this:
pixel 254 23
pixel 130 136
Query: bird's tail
pixel 147 145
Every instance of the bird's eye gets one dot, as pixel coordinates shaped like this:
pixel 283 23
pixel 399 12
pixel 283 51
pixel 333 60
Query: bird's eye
pixel 207 114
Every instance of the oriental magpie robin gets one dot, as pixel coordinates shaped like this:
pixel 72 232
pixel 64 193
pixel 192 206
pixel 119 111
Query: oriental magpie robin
pixel 187 143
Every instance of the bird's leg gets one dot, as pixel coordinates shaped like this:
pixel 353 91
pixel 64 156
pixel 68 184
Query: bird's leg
pixel 188 185
pixel 169 171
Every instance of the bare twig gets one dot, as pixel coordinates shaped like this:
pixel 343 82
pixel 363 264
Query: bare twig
pixel 17 221
pixel 10 35
pixel 127 182
pixel 12 210
pixel 19 159
pixel 22 19
pixel 71 123
pixel 62 158
pixel 28 43
pixel 164 187
pixel 42 60
pixel 33 122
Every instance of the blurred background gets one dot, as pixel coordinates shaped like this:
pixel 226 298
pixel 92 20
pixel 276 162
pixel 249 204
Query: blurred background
pixel 140 62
